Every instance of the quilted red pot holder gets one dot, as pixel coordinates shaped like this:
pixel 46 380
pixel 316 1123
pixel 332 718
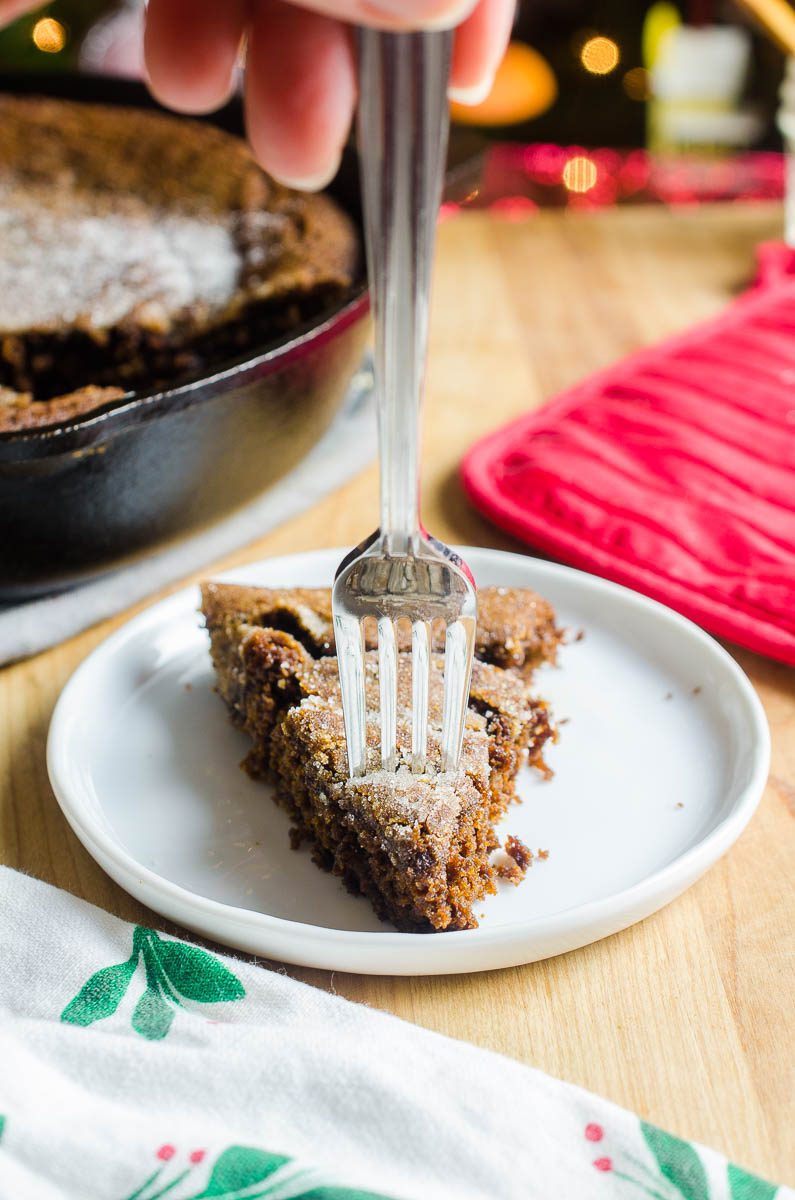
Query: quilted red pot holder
pixel 672 472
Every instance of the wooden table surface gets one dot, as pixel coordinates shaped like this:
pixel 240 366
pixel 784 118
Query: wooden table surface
pixel 687 1017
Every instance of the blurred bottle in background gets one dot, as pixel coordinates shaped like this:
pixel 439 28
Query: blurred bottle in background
pixel 697 80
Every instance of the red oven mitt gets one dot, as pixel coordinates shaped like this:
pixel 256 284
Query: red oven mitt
pixel 672 472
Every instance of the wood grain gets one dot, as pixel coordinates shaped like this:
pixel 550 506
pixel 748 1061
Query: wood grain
pixel 686 1018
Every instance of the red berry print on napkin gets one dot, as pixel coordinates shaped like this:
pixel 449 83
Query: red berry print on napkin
pixel 238 1172
pixel 679 1173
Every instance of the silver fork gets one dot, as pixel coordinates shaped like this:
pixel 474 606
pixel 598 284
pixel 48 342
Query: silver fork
pixel 400 571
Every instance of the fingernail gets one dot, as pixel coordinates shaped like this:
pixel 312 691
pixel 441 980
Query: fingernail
pixel 472 95
pixel 414 13
pixel 451 19
pixel 310 183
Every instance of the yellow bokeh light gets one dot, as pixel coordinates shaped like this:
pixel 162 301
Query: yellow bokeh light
pixel 49 35
pixel 580 174
pixel 600 55
pixel 636 84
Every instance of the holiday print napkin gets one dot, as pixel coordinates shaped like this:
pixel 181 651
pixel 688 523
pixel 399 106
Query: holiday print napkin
pixel 135 1065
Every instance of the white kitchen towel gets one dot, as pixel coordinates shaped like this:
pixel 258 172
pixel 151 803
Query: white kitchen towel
pixel 29 627
pixel 135 1066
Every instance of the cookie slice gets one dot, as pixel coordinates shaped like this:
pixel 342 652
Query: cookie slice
pixel 418 846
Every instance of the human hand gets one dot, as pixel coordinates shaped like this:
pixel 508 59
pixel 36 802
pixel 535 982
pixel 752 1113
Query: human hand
pixel 300 85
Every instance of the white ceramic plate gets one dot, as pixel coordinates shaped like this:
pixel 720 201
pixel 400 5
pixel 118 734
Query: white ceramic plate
pixel 660 765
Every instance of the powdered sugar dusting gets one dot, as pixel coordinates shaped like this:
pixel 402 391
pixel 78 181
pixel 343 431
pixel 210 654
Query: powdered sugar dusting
pixel 83 266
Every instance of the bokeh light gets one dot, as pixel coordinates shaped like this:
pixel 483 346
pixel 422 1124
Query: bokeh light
pixel 580 174
pixel 637 84
pixel 513 208
pixel 49 35
pixel 600 55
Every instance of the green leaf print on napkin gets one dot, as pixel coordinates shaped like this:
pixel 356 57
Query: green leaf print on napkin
pixel 744 1186
pixel 102 994
pixel 240 1167
pixel 175 971
pixel 678 1162
pixel 152 1016
pixel 195 974
pixel 239 1173
pixel 340 1193
pixel 677 1165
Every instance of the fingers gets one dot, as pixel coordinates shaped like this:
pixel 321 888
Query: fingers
pixel 479 46
pixel 300 76
pixel 395 14
pixel 300 92
pixel 190 48
pixel 11 9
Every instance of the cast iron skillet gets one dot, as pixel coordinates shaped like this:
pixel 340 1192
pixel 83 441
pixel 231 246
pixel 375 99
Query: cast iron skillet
pixel 79 497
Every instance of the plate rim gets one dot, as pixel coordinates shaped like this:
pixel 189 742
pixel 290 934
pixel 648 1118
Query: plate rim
pixel 685 868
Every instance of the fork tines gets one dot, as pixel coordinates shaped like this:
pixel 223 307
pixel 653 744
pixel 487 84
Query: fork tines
pixel 351 647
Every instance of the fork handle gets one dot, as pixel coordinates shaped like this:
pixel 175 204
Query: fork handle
pixel 403 126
